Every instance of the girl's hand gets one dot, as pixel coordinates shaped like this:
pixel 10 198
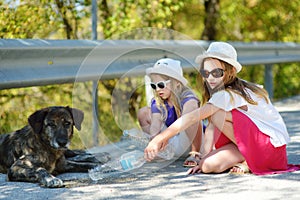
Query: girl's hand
pixel 157 144
pixel 194 170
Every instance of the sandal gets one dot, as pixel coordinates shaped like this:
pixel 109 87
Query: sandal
pixel 193 157
pixel 244 169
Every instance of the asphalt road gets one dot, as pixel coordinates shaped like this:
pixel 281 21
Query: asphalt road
pixel 168 180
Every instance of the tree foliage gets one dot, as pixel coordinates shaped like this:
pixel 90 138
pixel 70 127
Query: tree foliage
pixel 25 19
pixel 259 20
pixel 60 19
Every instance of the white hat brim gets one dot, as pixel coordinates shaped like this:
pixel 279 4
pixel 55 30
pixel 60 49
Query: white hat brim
pixel 166 72
pixel 199 59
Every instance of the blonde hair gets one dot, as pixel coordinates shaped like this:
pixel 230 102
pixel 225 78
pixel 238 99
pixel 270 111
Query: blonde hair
pixel 178 93
pixel 231 83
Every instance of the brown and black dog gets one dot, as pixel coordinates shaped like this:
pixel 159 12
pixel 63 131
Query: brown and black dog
pixel 40 149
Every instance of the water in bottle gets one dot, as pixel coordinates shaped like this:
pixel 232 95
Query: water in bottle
pixel 128 161
pixel 141 140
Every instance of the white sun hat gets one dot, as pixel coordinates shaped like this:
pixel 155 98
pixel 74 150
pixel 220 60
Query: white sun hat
pixel 222 51
pixel 168 67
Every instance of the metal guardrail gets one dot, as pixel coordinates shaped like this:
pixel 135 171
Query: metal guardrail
pixel 26 62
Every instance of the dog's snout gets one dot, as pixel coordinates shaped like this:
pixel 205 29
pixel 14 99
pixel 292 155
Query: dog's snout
pixel 62 138
pixel 62 141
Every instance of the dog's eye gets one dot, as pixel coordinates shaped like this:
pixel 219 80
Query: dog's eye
pixel 52 125
pixel 67 124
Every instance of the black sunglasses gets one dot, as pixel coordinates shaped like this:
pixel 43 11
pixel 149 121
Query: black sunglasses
pixel 216 73
pixel 160 84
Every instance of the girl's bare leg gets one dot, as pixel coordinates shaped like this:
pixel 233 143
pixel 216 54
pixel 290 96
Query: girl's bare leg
pixel 208 142
pixel 144 118
pixel 223 121
pixel 194 133
pixel 222 159
pixel 219 160
pixel 225 157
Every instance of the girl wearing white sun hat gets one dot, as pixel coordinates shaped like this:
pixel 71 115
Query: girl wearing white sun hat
pixel 245 132
pixel 172 99
pixel 221 51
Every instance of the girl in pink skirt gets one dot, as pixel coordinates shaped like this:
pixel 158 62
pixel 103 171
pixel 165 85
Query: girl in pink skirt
pixel 245 132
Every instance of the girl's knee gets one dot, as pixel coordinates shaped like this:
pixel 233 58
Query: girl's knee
pixel 143 113
pixel 144 117
pixel 209 166
pixel 221 116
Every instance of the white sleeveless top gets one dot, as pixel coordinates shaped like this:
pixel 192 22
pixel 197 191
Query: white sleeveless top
pixel 264 115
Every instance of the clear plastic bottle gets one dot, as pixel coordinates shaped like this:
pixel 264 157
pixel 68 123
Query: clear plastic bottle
pixel 131 160
pixel 128 161
pixel 141 140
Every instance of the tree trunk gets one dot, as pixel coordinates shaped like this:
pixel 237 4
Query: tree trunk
pixel 68 28
pixel 212 9
pixel 104 10
pixel 104 17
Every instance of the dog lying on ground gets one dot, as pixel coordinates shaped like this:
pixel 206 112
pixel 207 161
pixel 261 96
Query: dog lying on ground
pixel 40 149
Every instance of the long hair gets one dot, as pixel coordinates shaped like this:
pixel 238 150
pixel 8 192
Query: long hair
pixel 231 83
pixel 178 93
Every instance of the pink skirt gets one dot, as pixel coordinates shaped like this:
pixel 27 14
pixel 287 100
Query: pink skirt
pixel 261 156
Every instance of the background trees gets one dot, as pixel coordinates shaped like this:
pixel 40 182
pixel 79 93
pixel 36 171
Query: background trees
pixel 226 20
pixel 241 20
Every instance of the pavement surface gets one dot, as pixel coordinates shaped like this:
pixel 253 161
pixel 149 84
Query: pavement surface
pixel 168 180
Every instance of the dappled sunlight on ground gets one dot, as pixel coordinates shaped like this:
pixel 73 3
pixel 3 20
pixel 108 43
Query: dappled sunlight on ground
pixel 171 182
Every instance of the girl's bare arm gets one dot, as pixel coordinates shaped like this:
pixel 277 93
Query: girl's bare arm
pixel 208 140
pixel 182 123
pixel 156 124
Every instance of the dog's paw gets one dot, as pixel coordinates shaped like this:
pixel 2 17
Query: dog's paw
pixel 52 182
pixel 102 157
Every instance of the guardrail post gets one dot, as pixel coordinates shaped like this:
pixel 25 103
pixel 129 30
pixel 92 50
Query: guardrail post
pixel 269 79
pixel 95 114
pixel 95 83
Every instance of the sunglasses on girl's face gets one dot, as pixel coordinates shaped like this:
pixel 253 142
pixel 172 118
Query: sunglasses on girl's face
pixel 160 84
pixel 216 73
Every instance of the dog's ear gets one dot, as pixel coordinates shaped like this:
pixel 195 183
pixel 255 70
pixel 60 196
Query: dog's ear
pixel 78 116
pixel 36 120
